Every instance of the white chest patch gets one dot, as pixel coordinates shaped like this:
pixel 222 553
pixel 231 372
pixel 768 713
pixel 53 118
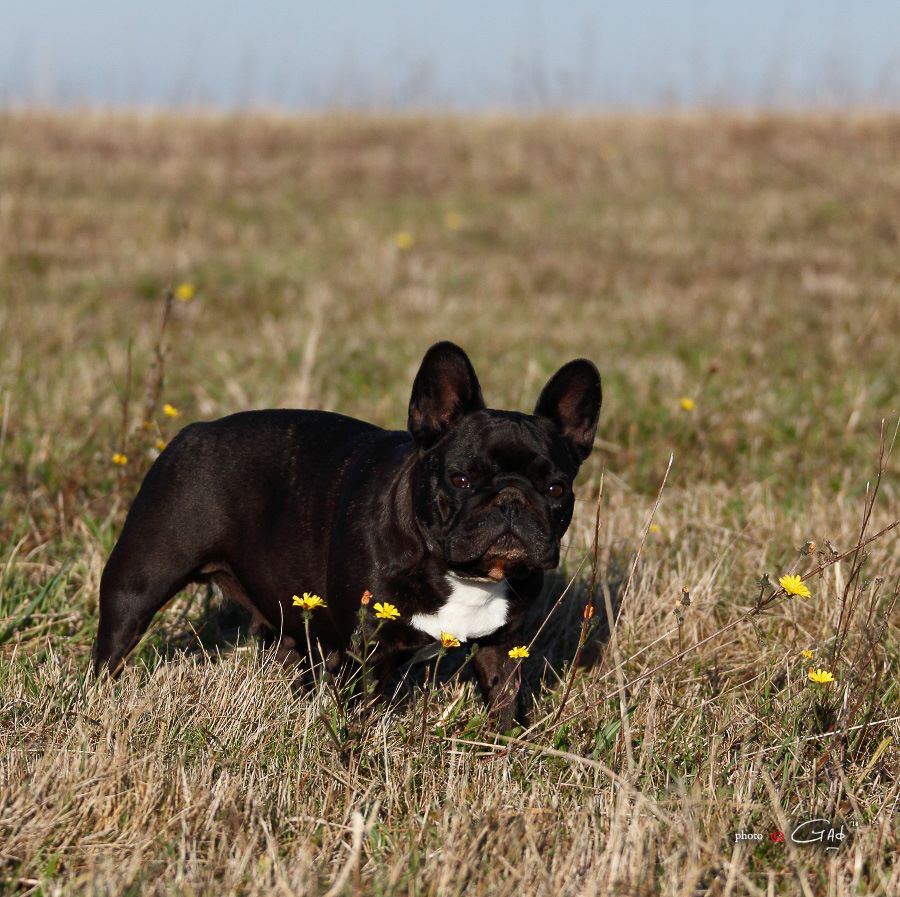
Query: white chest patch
pixel 473 609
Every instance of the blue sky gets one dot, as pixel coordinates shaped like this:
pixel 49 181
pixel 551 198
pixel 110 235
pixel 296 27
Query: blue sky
pixel 399 54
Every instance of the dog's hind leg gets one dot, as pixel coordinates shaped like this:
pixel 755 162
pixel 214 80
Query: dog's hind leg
pixel 269 631
pixel 161 549
pixel 132 590
pixel 221 576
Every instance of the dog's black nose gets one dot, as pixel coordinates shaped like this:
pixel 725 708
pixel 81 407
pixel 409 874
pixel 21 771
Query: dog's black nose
pixel 509 497
pixel 508 501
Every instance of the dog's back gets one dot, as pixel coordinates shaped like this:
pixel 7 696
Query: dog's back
pixel 230 499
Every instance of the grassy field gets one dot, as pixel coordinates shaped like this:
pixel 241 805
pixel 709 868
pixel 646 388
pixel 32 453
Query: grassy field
pixel 736 281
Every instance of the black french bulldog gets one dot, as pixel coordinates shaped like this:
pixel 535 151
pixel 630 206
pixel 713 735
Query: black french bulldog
pixel 453 522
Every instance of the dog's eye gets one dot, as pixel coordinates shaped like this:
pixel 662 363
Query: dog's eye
pixel 460 480
pixel 555 490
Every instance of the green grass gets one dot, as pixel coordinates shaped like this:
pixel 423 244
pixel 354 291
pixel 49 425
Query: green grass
pixel 746 263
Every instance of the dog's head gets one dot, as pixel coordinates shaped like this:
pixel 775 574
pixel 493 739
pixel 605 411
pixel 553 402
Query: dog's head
pixel 493 492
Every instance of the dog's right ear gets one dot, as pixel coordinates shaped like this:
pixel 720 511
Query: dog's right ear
pixel 445 389
pixel 572 399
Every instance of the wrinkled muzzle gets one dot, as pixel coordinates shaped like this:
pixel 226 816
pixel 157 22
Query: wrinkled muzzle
pixel 506 540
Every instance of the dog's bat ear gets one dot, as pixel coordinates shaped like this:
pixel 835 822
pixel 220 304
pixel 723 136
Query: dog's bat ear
pixel 572 399
pixel 444 390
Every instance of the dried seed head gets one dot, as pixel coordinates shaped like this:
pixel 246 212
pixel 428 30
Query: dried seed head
pixel 807 548
pixel 686 596
pixel 588 611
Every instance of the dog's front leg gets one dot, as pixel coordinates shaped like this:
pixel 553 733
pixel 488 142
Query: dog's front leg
pixel 499 678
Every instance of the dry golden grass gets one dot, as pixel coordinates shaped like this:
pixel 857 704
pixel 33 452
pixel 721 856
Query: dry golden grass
pixel 749 264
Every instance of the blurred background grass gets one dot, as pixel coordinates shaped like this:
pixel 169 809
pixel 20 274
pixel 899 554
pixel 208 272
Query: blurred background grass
pixel 747 263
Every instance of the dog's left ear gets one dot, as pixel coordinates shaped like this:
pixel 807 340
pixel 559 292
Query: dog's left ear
pixel 572 399
pixel 444 390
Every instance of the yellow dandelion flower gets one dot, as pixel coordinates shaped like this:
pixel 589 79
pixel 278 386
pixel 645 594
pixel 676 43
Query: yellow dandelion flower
pixel 384 610
pixel 807 654
pixel 449 641
pixel 170 410
pixel 519 652
pixel 453 220
pixel 308 601
pixel 655 528
pixel 793 585
pixel 119 459
pixel 161 444
pixel 184 292
pixel 687 403
pixel 403 240
pixel 821 677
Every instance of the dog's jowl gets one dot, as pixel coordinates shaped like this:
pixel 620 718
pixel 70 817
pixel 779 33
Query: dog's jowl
pixel 453 520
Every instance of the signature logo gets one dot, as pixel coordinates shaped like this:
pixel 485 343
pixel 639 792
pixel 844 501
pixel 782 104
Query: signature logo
pixel 820 831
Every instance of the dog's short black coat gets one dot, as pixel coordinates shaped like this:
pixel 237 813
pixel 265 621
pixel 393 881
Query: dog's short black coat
pixel 453 521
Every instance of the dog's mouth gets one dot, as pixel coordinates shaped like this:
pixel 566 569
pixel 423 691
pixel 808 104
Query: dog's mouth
pixel 507 558
pixel 503 560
